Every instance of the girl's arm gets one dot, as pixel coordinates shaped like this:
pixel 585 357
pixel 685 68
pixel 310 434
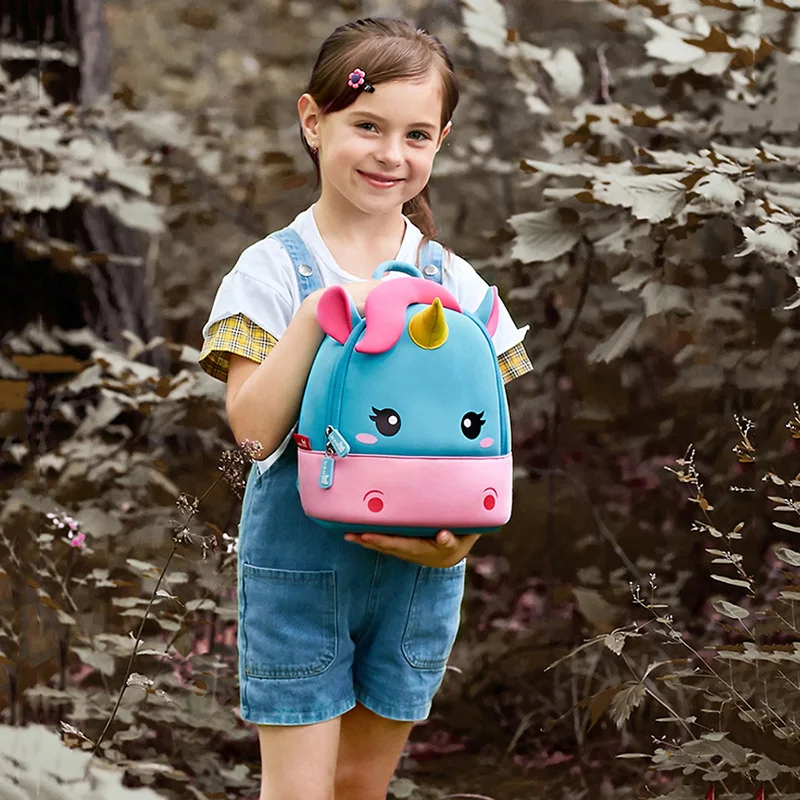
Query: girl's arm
pixel 263 400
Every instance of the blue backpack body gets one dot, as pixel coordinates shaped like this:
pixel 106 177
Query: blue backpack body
pixel 404 424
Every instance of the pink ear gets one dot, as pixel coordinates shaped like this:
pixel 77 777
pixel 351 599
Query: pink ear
pixel 494 317
pixel 334 313
pixel 488 312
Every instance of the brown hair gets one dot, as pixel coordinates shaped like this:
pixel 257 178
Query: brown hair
pixel 387 50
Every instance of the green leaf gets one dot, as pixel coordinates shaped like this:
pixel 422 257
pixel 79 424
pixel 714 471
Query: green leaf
pixel 789 556
pixel 625 701
pixel 732 581
pixel 562 170
pixel 201 605
pixel 565 71
pixel 619 342
pixel 632 278
pixel 35 761
pixel 544 235
pixel 659 298
pixel 485 23
pixel 786 527
pixel 719 191
pixel 615 641
pixel 768 769
pixel 730 609
pixel 769 241
pixel 104 662
pixel 143 566
pixel 402 788
pixel 669 45
pixel 650 197
pixel 44 191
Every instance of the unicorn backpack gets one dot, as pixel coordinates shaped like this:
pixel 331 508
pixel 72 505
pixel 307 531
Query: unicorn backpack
pixel 404 424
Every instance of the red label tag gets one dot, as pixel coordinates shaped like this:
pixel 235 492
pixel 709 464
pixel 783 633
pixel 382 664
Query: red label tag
pixel 303 442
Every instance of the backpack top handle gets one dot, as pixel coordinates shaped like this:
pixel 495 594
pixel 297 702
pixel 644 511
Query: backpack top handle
pixel 396 266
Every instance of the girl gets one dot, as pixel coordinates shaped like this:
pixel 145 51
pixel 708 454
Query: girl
pixel 343 641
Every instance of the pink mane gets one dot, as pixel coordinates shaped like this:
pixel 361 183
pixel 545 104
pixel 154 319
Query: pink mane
pixel 386 306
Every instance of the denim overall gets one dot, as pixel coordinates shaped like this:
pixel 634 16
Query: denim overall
pixel 324 622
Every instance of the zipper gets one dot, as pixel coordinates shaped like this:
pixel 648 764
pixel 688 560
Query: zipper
pixel 336 446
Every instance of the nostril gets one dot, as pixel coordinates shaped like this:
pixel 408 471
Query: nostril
pixel 374 501
pixel 489 502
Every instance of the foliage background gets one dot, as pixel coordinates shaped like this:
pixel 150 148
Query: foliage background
pixel 625 171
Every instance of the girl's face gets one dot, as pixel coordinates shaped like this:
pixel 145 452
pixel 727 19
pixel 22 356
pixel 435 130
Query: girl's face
pixel 378 152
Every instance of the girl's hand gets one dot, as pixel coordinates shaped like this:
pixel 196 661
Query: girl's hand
pixel 444 550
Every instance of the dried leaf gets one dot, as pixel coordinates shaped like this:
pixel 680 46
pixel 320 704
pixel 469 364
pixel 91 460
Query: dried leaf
pixel 13 395
pixel 601 701
pixel 594 608
pixel 48 363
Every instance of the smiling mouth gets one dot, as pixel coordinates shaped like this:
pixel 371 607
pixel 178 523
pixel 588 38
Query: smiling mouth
pixel 378 178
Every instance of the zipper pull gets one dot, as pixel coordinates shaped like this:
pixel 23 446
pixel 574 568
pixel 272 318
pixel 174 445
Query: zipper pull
pixel 326 472
pixel 337 442
pixel 335 446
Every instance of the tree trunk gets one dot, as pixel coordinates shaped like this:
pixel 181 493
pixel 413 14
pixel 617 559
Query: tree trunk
pixel 95 51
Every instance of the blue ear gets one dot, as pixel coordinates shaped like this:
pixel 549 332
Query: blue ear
pixel 488 311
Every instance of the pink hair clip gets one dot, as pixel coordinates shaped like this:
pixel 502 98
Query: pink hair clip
pixel 357 80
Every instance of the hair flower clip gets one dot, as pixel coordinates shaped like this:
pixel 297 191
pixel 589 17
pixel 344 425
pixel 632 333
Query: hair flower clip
pixel 358 80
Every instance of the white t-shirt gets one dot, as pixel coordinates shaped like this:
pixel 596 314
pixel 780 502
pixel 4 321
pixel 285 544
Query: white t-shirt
pixel 262 286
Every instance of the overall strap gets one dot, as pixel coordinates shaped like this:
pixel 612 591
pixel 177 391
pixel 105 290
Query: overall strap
pixel 431 259
pixel 306 272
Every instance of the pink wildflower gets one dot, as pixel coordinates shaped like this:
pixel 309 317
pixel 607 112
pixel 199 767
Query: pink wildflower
pixel 77 540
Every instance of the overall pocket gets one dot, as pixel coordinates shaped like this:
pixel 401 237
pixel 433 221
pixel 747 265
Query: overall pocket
pixel 434 616
pixel 287 621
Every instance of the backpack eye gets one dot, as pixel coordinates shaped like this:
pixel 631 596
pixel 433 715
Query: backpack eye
pixel 471 424
pixel 386 420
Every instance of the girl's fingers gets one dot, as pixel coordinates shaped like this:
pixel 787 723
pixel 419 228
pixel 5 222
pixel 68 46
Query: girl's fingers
pixel 392 545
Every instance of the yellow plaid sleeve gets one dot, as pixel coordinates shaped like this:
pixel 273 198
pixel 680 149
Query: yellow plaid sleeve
pixel 243 337
pixel 237 335
pixel 514 362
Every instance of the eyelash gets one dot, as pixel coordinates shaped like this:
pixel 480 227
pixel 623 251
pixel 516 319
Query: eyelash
pixel 424 135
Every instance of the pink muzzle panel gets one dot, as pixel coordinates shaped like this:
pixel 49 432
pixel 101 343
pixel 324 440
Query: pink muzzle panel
pixel 413 491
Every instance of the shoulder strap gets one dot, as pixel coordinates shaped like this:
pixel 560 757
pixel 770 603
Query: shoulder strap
pixel 431 260
pixel 306 272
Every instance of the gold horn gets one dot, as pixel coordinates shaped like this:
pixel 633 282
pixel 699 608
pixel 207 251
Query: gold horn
pixel 428 328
